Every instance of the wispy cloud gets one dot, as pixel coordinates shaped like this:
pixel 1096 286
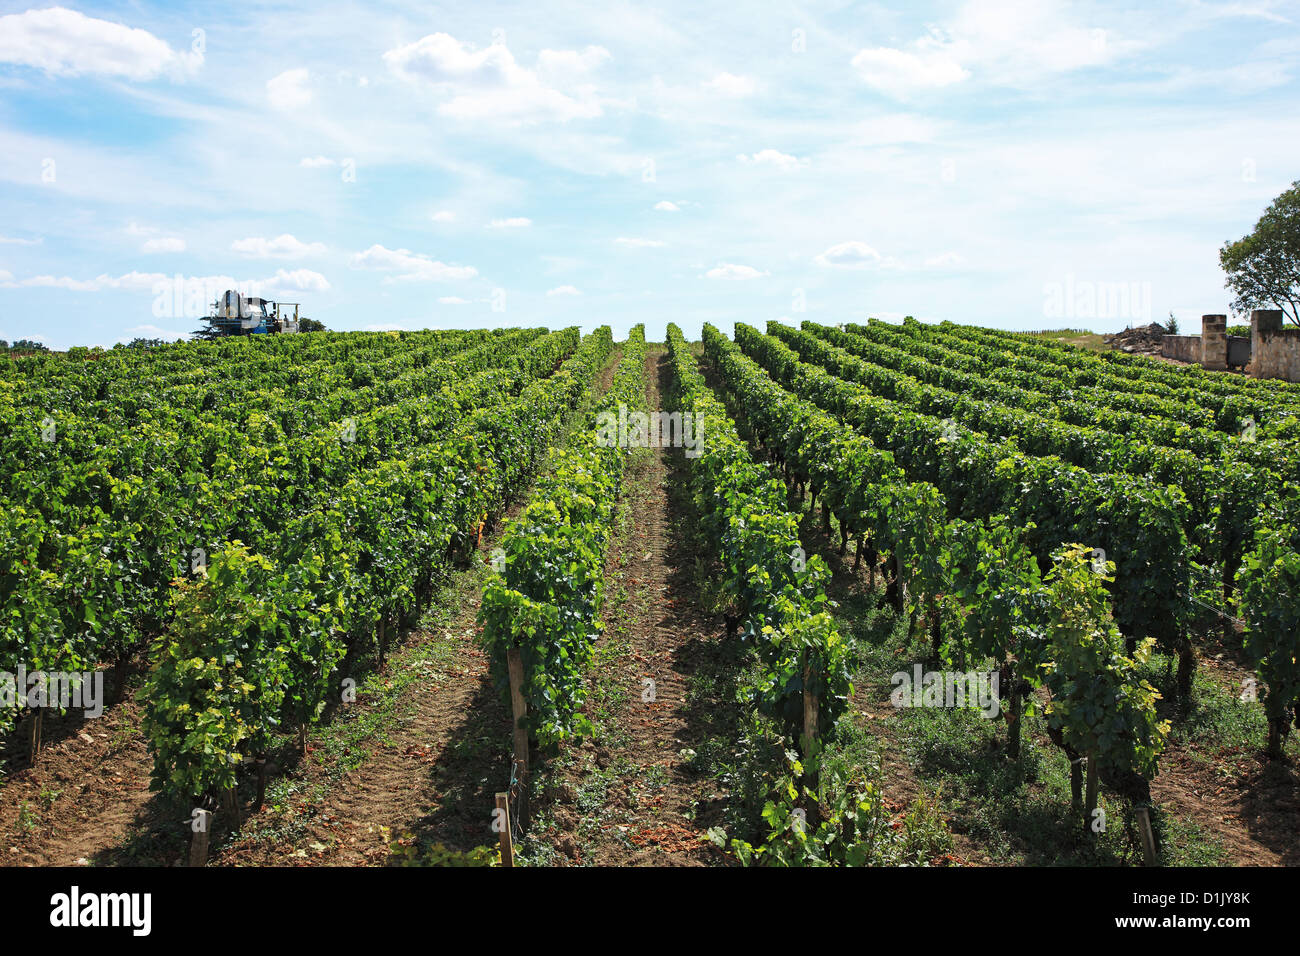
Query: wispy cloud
pixel 163 244
pixel 409 266
pixel 774 158
pixel 284 246
pixel 289 90
pixel 489 84
pixel 729 84
pixel 732 271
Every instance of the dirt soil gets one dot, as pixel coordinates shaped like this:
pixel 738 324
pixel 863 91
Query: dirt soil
pixel 629 796
pixel 86 799
pixel 1142 340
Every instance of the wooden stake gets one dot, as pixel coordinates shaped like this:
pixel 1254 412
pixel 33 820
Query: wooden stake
pixel 809 711
pixel 1090 803
pixel 231 800
pixel 1148 836
pixel 503 821
pixel 261 784
pixel 515 664
pixel 199 838
pixel 38 718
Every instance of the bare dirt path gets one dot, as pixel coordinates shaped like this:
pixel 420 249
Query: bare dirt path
pixel 629 796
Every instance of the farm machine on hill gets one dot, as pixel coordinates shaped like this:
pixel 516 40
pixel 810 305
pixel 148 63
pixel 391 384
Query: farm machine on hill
pixel 236 314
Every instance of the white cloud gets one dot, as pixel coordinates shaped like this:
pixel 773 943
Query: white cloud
pixel 410 266
pixel 899 72
pixel 1013 43
pixel 564 290
pixel 635 243
pixel 131 281
pixel 849 255
pixel 10 241
pixel 289 90
pixel 490 84
pixel 386 327
pixel 515 222
pixel 894 128
pixel 570 66
pixel 443 215
pixel 441 58
pixel 999 41
pixel 665 206
pixel 316 162
pixel 5 275
pixel 729 84
pixel 297 280
pixel 730 270
pixel 281 247
pixel 300 280
pixel 945 260
pixel 453 300
pixel 165 244
pixel 772 157
pixel 64 42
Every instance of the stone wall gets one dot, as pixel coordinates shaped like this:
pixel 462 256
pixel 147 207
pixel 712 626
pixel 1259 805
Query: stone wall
pixel 1184 348
pixel 1274 350
pixel 1214 342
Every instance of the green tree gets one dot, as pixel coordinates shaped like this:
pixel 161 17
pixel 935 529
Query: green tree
pixel 1263 268
pixel 311 325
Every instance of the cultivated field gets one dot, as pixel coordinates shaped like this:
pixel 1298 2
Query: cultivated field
pixel 881 594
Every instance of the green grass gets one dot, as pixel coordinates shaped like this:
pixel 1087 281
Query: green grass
pixel 1019 812
pixel 1080 338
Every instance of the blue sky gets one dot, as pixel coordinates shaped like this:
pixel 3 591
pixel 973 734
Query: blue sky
pixel 427 165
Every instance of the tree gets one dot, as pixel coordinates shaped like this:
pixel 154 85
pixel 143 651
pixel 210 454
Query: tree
pixel 1263 268
pixel 311 325
pixel 29 345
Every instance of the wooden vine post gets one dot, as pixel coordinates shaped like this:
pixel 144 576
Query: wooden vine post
pixel 515 664
pixel 38 719
pixel 1090 799
pixel 1148 836
pixel 201 832
pixel 809 709
pixel 503 825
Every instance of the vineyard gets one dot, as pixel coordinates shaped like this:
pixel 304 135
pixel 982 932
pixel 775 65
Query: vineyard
pixel 532 597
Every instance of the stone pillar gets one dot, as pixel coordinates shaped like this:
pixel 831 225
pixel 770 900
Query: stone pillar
pixel 1214 342
pixel 1263 323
